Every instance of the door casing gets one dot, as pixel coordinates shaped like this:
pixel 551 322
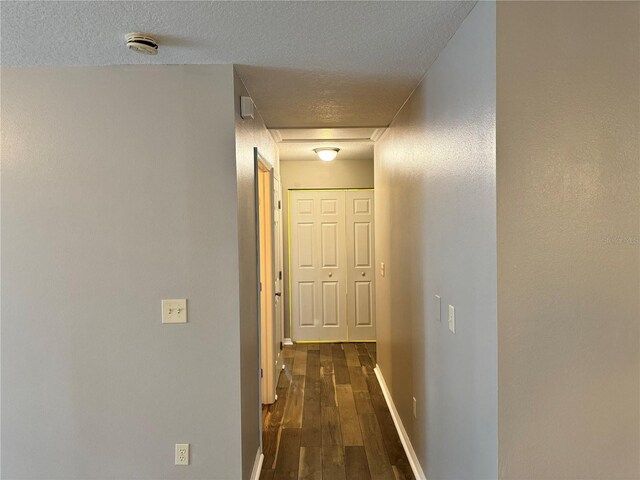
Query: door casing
pixel 268 341
pixel 279 287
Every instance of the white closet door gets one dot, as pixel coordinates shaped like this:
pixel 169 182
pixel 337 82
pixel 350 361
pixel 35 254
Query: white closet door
pixel 361 269
pixel 318 265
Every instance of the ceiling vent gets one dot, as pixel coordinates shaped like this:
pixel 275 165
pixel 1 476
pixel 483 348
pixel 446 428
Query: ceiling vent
pixel 142 43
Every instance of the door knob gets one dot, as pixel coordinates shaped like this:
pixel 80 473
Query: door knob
pixel 330 274
pixel 278 294
pixel 363 274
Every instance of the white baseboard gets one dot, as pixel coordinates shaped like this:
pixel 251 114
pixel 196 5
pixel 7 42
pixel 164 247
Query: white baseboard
pixel 288 341
pixel 404 438
pixel 257 465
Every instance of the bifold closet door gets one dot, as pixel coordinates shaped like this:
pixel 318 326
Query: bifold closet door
pixel 318 265
pixel 361 265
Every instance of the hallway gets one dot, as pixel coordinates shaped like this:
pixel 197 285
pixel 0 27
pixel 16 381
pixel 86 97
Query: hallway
pixel 331 421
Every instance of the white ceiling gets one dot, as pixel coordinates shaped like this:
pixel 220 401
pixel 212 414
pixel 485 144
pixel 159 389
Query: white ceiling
pixel 306 64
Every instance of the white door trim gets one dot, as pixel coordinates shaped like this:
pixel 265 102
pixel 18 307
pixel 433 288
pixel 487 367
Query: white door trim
pixel 278 264
pixel 266 325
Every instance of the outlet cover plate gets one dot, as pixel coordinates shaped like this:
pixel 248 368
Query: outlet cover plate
pixel 182 454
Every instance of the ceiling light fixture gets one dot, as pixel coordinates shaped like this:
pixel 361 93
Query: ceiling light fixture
pixel 142 43
pixel 327 154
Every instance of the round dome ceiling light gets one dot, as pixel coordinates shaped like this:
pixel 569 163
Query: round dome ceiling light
pixel 327 154
pixel 142 43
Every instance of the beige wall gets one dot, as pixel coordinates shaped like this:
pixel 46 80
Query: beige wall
pixel 119 190
pixel 435 231
pixel 318 174
pixel 568 188
pixel 250 133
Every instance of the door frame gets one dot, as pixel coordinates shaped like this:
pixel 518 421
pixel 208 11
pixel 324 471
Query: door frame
pixel 278 265
pixel 266 325
pixel 289 283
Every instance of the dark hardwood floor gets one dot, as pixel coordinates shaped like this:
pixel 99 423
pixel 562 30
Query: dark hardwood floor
pixel 331 421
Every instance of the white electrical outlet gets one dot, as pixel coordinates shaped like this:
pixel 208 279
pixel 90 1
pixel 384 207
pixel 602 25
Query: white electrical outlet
pixel 415 408
pixel 438 307
pixel 174 311
pixel 452 318
pixel 182 454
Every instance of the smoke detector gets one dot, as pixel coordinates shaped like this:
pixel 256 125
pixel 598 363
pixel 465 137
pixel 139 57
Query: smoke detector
pixel 142 43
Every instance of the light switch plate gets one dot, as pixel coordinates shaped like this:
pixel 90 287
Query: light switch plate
pixel 438 307
pixel 174 310
pixel 382 269
pixel 452 318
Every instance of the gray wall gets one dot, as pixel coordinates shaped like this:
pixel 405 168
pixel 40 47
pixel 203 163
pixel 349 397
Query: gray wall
pixel 568 184
pixel 119 190
pixel 305 174
pixel 249 134
pixel 435 230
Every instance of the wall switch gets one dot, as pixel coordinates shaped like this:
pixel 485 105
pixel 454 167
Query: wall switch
pixel 174 311
pixel 415 408
pixel 452 318
pixel 182 454
pixel 438 307
pixel 382 269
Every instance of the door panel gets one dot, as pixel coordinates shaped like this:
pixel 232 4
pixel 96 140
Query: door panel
pixel 364 302
pixel 329 206
pixel 306 303
pixel 305 206
pixel 330 304
pixel 361 271
pixel 305 245
pixel 330 245
pixel 318 265
pixel 362 244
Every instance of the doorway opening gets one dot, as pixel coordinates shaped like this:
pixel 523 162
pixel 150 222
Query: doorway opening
pixel 269 259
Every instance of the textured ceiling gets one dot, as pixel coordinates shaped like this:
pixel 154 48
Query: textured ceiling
pixel 306 63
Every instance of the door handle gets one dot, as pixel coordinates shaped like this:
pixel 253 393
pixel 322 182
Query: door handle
pixel 278 294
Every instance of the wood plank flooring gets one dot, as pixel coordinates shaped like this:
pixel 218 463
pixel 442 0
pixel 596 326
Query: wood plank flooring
pixel 331 421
